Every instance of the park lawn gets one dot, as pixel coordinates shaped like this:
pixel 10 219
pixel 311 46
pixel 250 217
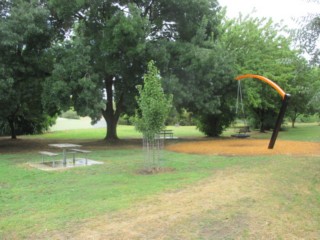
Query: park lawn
pixel 124 131
pixel 34 203
pixel 302 132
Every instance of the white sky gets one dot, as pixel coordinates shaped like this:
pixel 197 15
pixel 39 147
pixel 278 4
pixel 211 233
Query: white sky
pixel 276 9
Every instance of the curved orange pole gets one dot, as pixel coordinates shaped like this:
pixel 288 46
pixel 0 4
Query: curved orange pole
pixel 266 80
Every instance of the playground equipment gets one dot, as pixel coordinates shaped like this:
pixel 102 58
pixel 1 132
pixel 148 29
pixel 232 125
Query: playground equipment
pixel 242 131
pixel 285 97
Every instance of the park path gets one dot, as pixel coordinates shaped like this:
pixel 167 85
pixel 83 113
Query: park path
pixel 235 203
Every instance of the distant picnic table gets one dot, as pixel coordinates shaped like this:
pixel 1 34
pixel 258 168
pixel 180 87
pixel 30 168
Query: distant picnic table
pixel 166 133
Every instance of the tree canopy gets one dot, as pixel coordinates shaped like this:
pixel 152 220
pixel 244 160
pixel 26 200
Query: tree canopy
pixel 25 37
pixel 117 38
pixel 260 47
pixel 91 55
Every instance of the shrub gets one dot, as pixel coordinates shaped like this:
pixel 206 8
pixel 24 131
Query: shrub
pixel 212 124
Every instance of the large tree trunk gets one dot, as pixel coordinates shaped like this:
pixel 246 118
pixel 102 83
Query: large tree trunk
pixel 111 115
pixel 111 134
pixel 12 129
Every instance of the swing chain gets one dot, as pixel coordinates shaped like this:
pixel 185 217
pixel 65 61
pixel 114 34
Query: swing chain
pixel 240 101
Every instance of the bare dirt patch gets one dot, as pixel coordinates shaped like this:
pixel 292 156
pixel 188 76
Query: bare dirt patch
pixel 27 145
pixel 246 147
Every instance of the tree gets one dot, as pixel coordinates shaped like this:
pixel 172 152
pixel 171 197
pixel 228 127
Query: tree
pixel 201 80
pixel 200 75
pixel 120 37
pixel 259 48
pixel 153 110
pixel 313 104
pixel 25 34
pixel 302 89
pixel 101 64
pixel 309 34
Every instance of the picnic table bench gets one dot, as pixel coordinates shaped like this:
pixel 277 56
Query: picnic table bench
pixel 166 132
pixel 48 154
pixel 85 152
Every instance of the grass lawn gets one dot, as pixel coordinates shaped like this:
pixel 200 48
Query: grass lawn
pixel 124 131
pixel 34 203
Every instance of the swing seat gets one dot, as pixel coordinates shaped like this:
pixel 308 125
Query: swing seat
pixel 240 135
pixel 244 129
pixel 242 132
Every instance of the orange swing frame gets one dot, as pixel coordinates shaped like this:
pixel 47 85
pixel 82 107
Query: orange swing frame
pixel 285 97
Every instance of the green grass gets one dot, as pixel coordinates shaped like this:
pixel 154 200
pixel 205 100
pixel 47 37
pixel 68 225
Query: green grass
pixel 33 201
pixel 123 132
pixel 302 132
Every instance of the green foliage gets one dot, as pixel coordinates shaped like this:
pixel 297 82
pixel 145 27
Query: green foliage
pixel 125 120
pixel 102 63
pixel 70 114
pixel 121 37
pixel 259 48
pixel 303 89
pixel 23 126
pixel 73 82
pixel 153 105
pixel 213 124
pixel 181 118
pixel 201 79
pixel 26 35
pixel 199 71
pixel 314 92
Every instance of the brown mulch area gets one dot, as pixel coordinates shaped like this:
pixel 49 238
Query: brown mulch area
pixel 246 147
pixel 24 145
pixel 223 146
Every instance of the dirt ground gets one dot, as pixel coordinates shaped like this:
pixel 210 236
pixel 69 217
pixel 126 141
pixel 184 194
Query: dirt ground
pixel 246 147
pixel 224 147
pixel 27 145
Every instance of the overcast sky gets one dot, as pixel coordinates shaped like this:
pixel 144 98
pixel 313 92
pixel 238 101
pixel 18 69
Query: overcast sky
pixel 277 9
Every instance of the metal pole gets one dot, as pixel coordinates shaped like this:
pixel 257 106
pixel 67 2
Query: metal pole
pixel 279 121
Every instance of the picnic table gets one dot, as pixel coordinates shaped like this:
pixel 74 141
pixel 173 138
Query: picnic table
pixel 65 147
